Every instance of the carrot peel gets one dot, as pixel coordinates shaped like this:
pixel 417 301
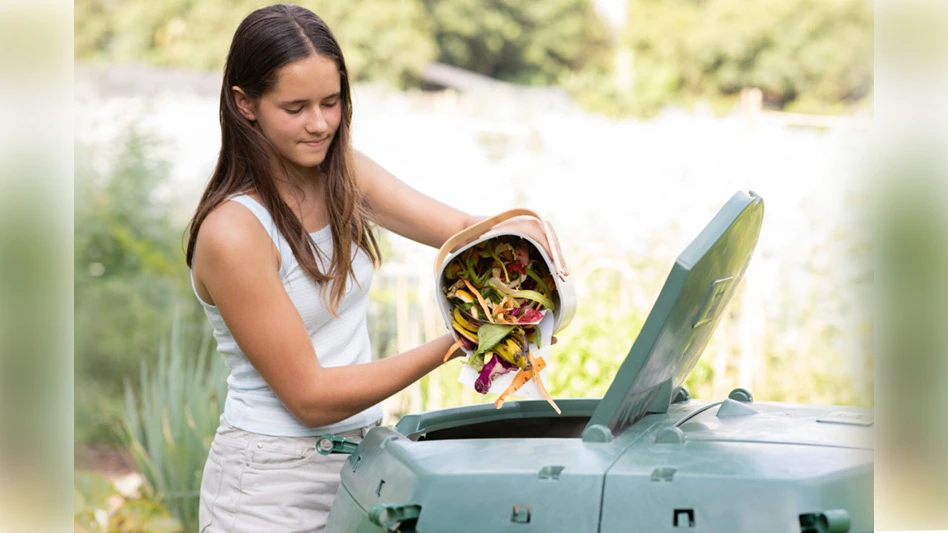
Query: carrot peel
pixel 519 380
pixel 453 347
pixel 541 386
pixel 480 300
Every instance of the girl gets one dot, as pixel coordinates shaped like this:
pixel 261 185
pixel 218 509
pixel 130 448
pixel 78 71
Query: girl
pixel 282 255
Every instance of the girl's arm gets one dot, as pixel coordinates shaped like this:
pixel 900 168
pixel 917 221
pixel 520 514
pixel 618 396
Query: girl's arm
pixel 238 266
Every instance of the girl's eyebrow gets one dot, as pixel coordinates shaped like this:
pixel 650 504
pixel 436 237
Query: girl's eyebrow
pixel 305 100
pixel 294 102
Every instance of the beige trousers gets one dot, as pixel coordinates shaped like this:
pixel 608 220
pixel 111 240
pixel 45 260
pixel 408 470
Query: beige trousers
pixel 256 483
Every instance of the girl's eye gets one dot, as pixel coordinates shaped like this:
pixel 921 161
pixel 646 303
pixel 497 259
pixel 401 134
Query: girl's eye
pixel 330 104
pixel 294 111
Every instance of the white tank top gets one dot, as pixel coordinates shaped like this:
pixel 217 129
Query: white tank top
pixel 251 405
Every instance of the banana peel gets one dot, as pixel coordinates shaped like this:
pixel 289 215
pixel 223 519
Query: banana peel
pixel 463 321
pixel 464 332
pixel 464 296
pixel 510 352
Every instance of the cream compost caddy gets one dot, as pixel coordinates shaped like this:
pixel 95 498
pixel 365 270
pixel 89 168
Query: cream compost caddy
pixel 565 297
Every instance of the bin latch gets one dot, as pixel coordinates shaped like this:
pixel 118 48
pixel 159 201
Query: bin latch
pixel 330 443
pixel 832 521
pixel 390 516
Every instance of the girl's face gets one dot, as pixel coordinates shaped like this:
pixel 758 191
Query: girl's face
pixel 301 113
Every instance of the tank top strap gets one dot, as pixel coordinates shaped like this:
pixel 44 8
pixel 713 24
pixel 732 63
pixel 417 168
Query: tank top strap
pixel 268 224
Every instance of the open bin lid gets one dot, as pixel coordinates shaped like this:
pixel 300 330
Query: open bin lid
pixel 683 318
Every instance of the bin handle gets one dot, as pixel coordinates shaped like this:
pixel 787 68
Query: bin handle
pixel 329 444
pixel 475 231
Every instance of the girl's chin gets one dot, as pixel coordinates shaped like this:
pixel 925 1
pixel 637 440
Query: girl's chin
pixel 307 162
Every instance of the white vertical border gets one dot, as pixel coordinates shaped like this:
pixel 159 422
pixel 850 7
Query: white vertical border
pixel 36 169
pixel 910 111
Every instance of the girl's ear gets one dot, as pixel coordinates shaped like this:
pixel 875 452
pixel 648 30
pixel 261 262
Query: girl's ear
pixel 246 105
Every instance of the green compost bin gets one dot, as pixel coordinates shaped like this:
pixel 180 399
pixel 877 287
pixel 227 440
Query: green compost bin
pixel 644 458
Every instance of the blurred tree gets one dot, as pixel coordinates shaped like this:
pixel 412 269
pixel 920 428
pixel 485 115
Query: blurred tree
pixel 382 39
pixel 389 40
pixel 812 55
pixel 805 55
pixel 523 42
pixel 526 42
pixel 123 227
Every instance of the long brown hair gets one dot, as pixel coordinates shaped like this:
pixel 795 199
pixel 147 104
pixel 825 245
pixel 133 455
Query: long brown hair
pixel 266 40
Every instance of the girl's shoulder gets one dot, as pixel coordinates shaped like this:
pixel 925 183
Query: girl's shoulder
pixel 232 228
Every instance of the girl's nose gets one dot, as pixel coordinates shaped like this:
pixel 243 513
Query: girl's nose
pixel 316 123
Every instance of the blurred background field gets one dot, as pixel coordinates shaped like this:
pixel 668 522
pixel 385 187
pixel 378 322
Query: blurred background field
pixel 626 123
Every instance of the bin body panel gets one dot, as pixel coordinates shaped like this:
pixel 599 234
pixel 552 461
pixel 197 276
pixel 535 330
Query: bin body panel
pixel 758 471
pixel 479 484
pixel 730 487
pixel 347 516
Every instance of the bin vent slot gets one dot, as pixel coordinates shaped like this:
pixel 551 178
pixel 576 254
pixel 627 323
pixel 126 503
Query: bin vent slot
pixel 378 490
pixel 356 463
pixel 551 472
pixel 684 518
pixel 521 514
pixel 663 473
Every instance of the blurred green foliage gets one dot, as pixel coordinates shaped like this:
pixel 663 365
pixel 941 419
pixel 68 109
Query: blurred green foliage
pixel 810 56
pixel 805 55
pixel 911 231
pixel 100 508
pixel 531 43
pixel 169 425
pixel 595 345
pixel 381 39
pixel 527 42
pixel 130 275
